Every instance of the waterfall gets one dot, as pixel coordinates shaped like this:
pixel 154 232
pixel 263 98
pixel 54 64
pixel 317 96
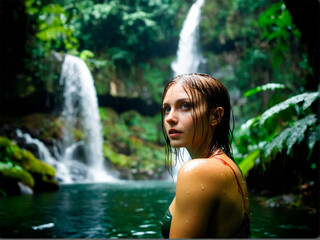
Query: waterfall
pixel 76 160
pixel 188 58
pixel 80 111
pixel 62 173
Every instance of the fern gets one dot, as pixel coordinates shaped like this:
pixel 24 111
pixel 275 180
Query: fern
pixel 291 135
pixel 308 99
pixel 248 163
pixel 313 136
pixel 268 86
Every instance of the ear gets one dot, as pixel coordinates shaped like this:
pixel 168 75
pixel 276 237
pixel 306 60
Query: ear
pixel 216 116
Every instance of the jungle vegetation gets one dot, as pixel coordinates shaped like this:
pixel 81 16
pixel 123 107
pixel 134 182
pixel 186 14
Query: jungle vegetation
pixel 259 49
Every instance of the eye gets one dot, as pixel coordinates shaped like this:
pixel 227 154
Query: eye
pixel 185 105
pixel 166 109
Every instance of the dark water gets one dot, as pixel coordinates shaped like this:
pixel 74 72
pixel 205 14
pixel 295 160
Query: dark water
pixel 130 209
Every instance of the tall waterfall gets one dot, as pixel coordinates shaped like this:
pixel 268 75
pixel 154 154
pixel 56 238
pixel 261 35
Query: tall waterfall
pixel 80 111
pixel 76 160
pixel 188 58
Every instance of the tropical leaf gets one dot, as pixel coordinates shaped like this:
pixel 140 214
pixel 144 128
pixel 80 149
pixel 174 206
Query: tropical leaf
pixel 268 86
pixel 313 136
pixel 308 99
pixel 119 54
pixel 291 135
pixel 246 164
pixel 85 54
pixel 251 122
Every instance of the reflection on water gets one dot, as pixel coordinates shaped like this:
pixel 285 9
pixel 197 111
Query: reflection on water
pixel 128 209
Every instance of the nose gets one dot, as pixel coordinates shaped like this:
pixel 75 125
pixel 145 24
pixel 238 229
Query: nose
pixel 171 118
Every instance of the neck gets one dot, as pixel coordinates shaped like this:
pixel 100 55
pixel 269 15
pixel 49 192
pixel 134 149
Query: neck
pixel 198 153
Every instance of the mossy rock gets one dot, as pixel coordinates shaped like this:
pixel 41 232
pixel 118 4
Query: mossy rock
pixel 33 165
pixel 8 170
pixel 13 153
pixel 20 165
pixel 44 126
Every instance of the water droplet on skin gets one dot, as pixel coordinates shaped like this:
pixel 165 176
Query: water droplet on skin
pixel 202 187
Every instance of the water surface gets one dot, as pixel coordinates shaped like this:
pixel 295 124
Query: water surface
pixel 128 209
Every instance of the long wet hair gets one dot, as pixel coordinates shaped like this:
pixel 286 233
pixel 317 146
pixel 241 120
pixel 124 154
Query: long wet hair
pixel 204 87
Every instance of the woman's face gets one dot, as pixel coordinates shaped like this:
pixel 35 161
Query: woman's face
pixel 178 120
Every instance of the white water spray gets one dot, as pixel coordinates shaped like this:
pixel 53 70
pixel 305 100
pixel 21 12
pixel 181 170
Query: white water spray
pixel 188 59
pixel 62 172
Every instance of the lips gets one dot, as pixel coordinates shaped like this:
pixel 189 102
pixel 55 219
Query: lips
pixel 174 133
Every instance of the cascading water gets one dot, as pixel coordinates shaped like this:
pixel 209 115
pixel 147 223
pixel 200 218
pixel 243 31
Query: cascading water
pixel 62 173
pixel 80 111
pixel 189 58
pixel 78 160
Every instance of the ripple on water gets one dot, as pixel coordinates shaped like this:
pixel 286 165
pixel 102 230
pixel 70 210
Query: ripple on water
pixel 143 233
pixel 147 225
pixel 43 226
pixel 139 210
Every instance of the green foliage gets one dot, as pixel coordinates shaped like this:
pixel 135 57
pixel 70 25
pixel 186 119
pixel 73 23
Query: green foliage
pixel 229 20
pixel 156 75
pixel 52 25
pixel 21 164
pixel 299 127
pixel 8 170
pixel 131 141
pixel 249 161
pixel 131 44
pixel 12 153
pixel 292 135
pixel 85 55
pixel 118 159
pixel 307 98
pixel 277 26
pixel 268 86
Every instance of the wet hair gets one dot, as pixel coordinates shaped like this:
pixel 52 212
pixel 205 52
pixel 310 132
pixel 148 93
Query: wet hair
pixel 204 87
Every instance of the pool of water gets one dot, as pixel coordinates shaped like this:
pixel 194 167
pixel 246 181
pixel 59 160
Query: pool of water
pixel 127 209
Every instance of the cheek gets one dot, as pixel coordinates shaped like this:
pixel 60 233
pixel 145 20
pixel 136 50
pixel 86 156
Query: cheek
pixel 187 119
pixel 203 126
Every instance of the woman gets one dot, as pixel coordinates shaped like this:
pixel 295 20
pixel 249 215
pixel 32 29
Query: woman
pixel 211 195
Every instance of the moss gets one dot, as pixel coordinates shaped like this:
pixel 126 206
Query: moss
pixel 47 126
pixel 132 141
pixel 108 115
pixel 4 142
pixel 116 158
pixel 8 170
pixel 21 165
pixel 30 163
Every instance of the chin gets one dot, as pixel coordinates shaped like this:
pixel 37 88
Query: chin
pixel 177 145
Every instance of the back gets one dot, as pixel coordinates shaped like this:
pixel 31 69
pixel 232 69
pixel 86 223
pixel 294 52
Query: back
pixel 230 218
pixel 211 200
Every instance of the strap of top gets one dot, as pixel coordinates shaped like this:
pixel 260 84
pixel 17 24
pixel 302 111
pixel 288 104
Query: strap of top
pixel 239 186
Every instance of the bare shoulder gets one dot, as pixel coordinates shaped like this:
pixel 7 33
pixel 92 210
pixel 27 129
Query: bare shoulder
pixel 203 169
pixel 202 174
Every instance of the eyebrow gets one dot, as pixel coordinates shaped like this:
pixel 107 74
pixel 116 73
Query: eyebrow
pixel 177 101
